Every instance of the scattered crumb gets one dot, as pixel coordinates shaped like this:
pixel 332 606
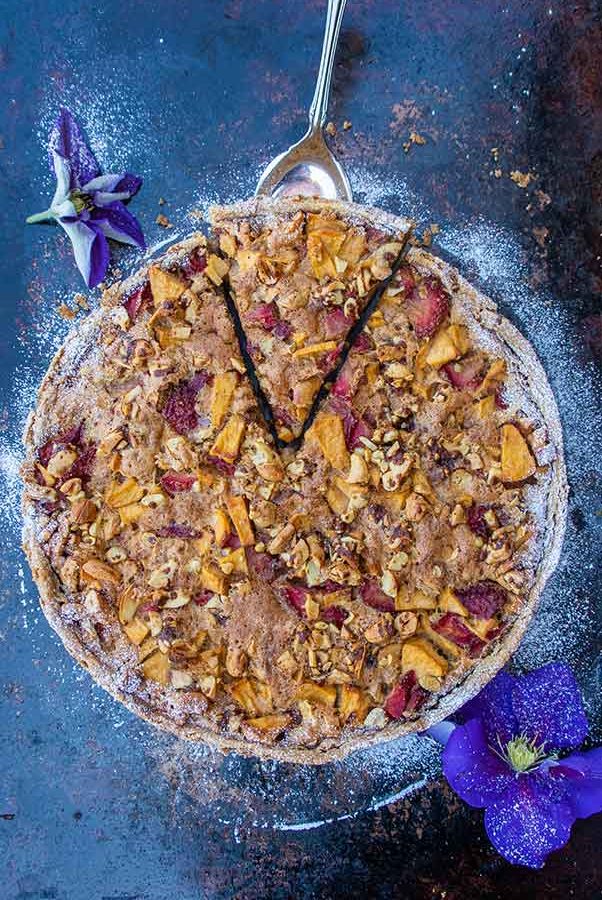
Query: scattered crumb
pixel 82 301
pixel 163 221
pixel 162 201
pixel 540 233
pixel 495 152
pixel 543 199
pixel 331 129
pixel 497 173
pixel 414 138
pixel 65 312
pixel 346 125
pixel 522 179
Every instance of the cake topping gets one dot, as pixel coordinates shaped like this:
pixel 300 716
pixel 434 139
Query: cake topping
pixel 276 595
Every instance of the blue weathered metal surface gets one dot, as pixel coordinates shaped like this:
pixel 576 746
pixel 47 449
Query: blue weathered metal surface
pixel 197 96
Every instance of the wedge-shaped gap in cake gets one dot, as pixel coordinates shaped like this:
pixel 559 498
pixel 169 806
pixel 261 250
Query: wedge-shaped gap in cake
pixel 300 280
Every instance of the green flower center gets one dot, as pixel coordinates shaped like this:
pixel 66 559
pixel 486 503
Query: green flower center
pixel 523 754
pixel 80 201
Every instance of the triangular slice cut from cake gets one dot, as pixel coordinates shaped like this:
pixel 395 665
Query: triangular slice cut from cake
pixel 301 274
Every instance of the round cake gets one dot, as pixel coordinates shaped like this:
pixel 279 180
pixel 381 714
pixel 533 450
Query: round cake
pixel 290 489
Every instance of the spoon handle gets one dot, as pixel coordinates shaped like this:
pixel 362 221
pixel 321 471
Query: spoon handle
pixel 319 104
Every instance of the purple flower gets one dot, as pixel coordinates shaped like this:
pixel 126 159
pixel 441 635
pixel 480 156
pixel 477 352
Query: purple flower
pixel 504 757
pixel 88 205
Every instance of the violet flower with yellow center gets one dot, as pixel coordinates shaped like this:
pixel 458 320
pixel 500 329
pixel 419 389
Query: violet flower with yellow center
pixel 510 755
pixel 89 206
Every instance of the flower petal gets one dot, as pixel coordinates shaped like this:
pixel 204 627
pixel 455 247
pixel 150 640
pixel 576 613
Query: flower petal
pixel 129 183
pixel 582 777
pixel 124 184
pixel 104 198
pixel 64 210
pixel 62 171
pixel 102 183
pixel 494 707
pixel 529 820
pixel 67 140
pixel 548 707
pixel 475 773
pixel 117 223
pixel 90 249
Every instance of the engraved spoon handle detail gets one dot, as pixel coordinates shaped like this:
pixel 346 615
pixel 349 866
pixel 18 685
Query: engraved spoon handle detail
pixel 319 104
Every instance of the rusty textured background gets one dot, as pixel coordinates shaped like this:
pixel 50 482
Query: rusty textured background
pixel 195 95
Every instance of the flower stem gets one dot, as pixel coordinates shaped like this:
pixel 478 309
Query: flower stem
pixel 46 216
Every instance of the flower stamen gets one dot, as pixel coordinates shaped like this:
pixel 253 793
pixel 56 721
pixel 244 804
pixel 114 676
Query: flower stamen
pixel 81 201
pixel 522 754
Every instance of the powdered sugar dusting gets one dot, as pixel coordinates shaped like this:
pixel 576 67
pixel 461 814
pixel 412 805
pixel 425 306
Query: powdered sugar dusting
pixel 495 260
pixel 112 118
pixel 253 793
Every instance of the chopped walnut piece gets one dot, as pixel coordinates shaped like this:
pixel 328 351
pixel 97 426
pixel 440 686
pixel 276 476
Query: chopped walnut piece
pixel 96 570
pixel 267 462
pixel 406 623
pixel 378 632
pixel 416 507
pixel 61 462
pixel 84 511
pixel 208 686
pixel 181 680
pixel 358 470
pixel 110 442
pixel 281 539
pixel 128 604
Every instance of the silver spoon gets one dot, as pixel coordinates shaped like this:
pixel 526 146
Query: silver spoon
pixel 308 167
